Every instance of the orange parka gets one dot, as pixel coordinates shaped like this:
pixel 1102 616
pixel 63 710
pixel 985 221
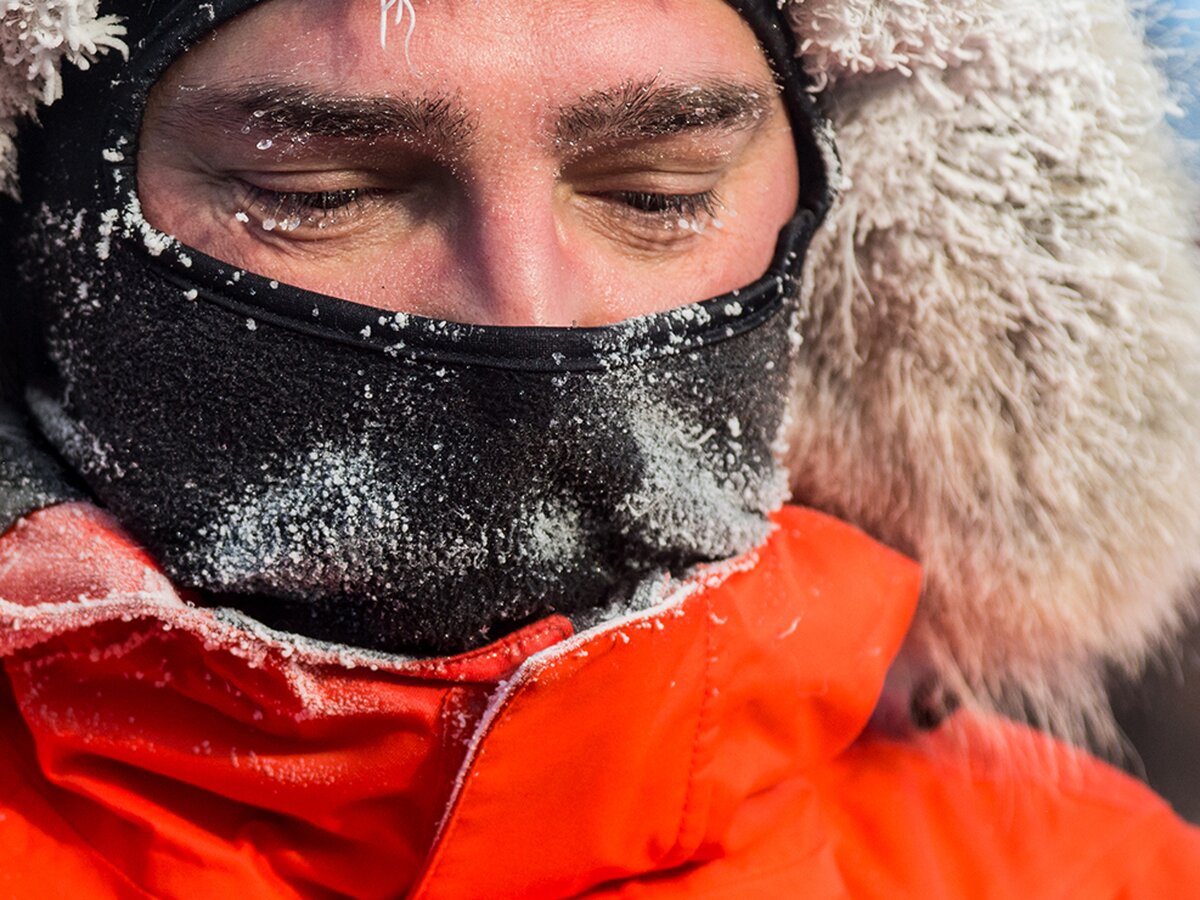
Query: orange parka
pixel 716 745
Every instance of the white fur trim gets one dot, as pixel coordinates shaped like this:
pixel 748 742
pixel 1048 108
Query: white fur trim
pixel 1001 363
pixel 849 37
pixel 35 37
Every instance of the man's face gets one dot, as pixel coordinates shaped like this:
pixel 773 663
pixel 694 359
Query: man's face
pixel 523 163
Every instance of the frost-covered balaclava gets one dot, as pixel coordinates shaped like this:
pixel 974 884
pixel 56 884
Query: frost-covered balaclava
pixel 377 478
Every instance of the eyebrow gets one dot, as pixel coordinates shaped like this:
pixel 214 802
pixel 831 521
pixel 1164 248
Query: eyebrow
pixel 638 110
pixel 635 110
pixel 298 111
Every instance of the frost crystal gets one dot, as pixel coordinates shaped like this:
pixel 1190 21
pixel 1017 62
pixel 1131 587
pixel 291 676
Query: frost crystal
pixel 402 7
pixel 35 37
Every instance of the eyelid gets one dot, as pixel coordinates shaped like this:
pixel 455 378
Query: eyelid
pixel 660 205
pixel 317 200
pixel 299 214
pixel 305 181
pixel 701 149
pixel 672 173
pixel 674 228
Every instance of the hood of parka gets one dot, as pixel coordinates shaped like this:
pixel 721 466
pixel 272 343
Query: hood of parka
pixel 1002 330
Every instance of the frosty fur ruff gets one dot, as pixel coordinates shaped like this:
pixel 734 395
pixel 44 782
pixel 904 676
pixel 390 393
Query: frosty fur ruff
pixel 1000 372
pixel 36 37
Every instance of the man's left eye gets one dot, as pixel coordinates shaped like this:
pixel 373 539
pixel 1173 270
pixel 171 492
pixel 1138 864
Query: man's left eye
pixel 688 206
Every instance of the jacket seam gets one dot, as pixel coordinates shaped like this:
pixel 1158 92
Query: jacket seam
pixel 436 856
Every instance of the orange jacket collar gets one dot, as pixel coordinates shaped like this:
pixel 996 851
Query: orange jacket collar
pixel 542 765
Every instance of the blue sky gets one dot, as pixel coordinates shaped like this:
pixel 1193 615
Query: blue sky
pixel 1183 30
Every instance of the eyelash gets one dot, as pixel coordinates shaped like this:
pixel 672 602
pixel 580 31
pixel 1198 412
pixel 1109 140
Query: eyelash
pixel 290 210
pixel 687 206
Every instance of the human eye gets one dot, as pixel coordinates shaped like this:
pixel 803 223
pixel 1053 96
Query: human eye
pixel 303 213
pixel 691 207
pixel 654 221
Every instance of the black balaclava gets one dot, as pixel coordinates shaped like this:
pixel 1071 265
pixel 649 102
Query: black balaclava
pixel 373 478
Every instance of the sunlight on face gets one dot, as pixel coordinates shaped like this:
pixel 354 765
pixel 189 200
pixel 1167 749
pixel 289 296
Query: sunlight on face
pixel 515 163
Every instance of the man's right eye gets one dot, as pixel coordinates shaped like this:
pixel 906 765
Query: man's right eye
pixel 288 211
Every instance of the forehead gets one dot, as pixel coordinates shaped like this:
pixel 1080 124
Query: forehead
pixel 508 52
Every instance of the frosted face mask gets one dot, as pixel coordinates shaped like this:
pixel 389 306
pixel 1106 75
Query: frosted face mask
pixel 377 478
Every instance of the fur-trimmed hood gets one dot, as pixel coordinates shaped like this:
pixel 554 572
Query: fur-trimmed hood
pixel 1000 369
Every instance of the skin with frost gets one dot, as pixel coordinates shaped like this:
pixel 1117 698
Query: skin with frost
pixel 479 173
